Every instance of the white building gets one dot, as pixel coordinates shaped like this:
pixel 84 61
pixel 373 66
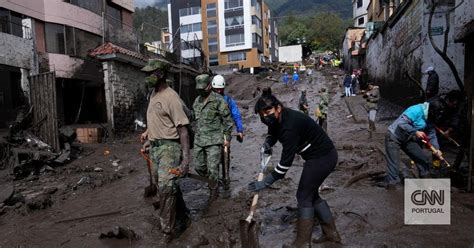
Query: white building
pixel 359 12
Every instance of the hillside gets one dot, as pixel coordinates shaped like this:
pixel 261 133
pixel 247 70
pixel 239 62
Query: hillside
pixel 284 7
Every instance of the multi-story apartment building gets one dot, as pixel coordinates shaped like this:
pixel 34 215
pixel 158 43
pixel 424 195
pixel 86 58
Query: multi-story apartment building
pixel 56 35
pixel 217 33
pixel 359 12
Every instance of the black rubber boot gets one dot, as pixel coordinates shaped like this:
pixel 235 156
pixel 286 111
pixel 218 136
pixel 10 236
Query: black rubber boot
pixel 328 226
pixel 167 213
pixel 213 191
pixel 304 229
pixel 182 214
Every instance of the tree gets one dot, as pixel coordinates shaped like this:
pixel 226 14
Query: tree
pixel 149 22
pixel 443 52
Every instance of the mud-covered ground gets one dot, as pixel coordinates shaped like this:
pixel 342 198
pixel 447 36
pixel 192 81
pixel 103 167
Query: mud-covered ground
pixel 50 206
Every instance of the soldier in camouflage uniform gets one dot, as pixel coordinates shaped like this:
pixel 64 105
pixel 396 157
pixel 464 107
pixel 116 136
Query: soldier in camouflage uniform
pixel 323 108
pixel 213 129
pixel 169 139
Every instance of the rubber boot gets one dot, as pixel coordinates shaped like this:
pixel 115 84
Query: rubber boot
pixel 328 226
pixel 182 214
pixel 167 213
pixel 304 229
pixel 213 191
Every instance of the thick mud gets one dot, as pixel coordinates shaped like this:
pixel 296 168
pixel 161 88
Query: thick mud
pixel 72 205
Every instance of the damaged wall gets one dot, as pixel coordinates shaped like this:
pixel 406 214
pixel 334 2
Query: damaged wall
pixel 125 94
pixel 398 55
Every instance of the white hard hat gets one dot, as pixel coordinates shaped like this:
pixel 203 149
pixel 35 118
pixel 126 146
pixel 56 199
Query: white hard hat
pixel 430 68
pixel 218 82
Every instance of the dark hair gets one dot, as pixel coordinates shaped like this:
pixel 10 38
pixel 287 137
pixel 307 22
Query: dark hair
pixel 266 101
pixel 454 95
pixel 267 91
pixel 436 111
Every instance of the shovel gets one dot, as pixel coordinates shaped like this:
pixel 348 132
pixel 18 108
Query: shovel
pixel 248 227
pixel 151 189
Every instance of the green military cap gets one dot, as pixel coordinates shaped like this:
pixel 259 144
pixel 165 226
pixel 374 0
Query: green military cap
pixel 154 64
pixel 202 81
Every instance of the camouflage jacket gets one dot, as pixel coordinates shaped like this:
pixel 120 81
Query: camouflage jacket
pixel 212 120
pixel 323 104
pixel 372 99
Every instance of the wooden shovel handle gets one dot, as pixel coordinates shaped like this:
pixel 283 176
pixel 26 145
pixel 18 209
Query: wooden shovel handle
pixel 253 207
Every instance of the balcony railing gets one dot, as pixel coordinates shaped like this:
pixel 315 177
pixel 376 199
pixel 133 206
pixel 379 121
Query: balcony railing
pixel 234 9
pixel 16 29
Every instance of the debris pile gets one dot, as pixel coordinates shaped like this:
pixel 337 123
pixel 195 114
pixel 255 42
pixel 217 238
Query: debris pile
pixel 28 154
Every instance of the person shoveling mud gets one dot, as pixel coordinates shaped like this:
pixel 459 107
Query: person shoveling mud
pixel 299 134
pixel 248 227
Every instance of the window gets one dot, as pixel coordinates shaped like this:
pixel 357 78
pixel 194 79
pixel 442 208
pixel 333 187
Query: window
pixel 212 27
pixel 234 22
pixel 256 39
pixel 234 40
pixel 12 23
pixel 68 40
pixel 211 10
pixel 92 5
pixel 189 11
pixel 359 3
pixel 114 16
pixel 55 38
pixel 213 60
pixel 85 41
pixel 195 27
pixel 212 42
pixel 256 21
pixel 237 56
pixel 360 21
pixel 192 44
pixel 233 4
pixel 213 48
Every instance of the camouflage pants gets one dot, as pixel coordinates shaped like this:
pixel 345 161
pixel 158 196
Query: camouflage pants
pixel 207 160
pixel 166 156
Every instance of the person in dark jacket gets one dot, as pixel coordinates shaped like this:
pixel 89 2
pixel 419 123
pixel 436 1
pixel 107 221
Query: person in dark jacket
pixel 299 134
pixel 432 84
pixel 347 85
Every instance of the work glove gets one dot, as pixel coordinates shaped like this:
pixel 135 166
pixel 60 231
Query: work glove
pixel 259 185
pixel 266 149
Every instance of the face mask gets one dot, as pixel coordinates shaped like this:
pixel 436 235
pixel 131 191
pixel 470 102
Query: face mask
pixel 203 92
pixel 151 81
pixel 269 120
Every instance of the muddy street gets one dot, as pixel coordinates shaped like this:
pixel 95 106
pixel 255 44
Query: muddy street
pixel 72 205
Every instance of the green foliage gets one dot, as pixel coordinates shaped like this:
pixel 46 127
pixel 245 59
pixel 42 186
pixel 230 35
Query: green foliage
pixel 283 7
pixel 152 19
pixel 322 31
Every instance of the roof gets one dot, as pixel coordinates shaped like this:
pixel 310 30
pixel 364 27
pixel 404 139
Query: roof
pixel 109 48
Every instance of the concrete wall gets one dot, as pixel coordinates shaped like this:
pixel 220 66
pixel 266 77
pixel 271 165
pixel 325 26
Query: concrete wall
pixel 125 94
pixel 17 52
pixel 396 52
pixel 66 66
pixel 290 53
pixel 455 52
pixel 403 49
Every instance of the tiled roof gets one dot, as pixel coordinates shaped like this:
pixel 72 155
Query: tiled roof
pixel 109 48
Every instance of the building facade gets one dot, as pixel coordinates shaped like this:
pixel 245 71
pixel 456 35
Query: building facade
pixel 55 36
pixel 359 12
pixel 240 33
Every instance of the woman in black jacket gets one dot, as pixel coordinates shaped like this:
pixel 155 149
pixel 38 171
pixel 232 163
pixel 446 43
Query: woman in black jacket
pixel 299 134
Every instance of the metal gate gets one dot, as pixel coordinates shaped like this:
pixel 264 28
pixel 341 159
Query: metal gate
pixel 45 112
